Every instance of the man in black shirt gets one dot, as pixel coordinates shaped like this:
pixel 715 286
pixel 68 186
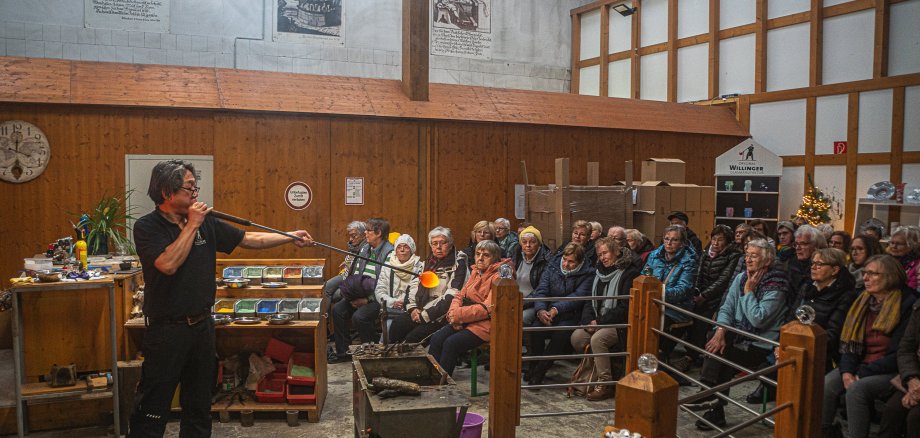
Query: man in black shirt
pixel 177 244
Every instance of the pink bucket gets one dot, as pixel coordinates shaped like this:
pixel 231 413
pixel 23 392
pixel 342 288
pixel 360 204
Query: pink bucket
pixel 472 425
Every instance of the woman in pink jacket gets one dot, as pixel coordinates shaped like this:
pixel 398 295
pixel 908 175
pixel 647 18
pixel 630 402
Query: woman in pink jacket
pixel 470 312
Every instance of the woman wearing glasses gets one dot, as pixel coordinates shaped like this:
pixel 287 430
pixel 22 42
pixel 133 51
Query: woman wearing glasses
pixel 902 245
pixel 869 341
pixel 862 248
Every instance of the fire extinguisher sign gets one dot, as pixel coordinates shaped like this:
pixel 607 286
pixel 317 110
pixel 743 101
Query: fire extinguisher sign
pixel 840 147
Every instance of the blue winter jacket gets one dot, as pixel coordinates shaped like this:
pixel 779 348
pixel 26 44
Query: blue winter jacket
pixel 554 284
pixel 678 288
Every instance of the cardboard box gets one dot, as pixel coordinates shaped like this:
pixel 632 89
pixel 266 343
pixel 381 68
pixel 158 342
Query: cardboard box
pixel 654 196
pixel 670 170
pixel 707 198
pixel 650 224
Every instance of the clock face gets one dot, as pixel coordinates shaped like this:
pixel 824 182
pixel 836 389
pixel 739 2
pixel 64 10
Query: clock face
pixel 24 151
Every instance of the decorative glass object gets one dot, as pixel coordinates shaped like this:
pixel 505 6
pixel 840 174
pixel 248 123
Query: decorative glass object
pixel 648 363
pixel 764 187
pixel 805 314
pixel 913 196
pixel 881 191
pixel 729 186
pixel 504 271
pixel 748 184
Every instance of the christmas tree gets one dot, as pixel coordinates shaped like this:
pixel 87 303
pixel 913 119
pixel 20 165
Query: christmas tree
pixel 816 206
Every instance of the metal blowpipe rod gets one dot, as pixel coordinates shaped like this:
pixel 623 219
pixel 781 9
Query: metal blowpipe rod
pixel 248 223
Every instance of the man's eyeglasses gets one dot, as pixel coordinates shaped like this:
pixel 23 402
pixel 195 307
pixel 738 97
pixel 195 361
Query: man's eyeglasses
pixel 192 190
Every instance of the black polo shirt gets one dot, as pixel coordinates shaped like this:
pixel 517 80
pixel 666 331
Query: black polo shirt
pixel 191 289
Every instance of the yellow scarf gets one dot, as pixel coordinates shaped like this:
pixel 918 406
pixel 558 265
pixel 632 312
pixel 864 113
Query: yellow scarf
pixel 854 331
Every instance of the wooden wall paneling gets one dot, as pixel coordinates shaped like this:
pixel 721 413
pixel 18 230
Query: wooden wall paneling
pixel 760 47
pixel 714 18
pixel 810 122
pixel 424 220
pixel 880 51
pixel 576 52
pixel 471 181
pixel 852 152
pixel 672 50
pixel 256 157
pixel 386 154
pixel 897 146
pixel 817 43
pixel 605 48
pixel 636 43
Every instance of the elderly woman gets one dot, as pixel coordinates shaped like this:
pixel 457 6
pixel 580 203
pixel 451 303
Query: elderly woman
pixel 717 268
pixel 566 276
pixel 581 234
pixel 902 245
pixel 529 258
pixel 785 241
pixel 740 231
pixel 470 311
pixel 904 403
pixel 674 263
pixel 596 230
pixel 426 307
pixel 755 304
pixel 861 249
pixel 504 236
pixel 869 341
pixel 639 244
pixel 831 293
pixel 617 267
pixel 394 287
pixel 483 230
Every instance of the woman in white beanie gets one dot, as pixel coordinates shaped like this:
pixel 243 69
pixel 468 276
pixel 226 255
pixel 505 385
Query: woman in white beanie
pixel 394 287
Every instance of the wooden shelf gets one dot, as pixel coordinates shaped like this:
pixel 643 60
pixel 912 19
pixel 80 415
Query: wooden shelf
pixel 138 323
pixel 886 203
pixel 291 291
pixel 260 407
pixel 745 193
pixel 736 218
pixel 44 390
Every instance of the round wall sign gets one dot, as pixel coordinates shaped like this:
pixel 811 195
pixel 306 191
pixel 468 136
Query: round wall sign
pixel 298 195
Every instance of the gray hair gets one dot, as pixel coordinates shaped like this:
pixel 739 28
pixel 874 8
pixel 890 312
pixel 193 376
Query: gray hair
pixel 492 248
pixel 813 235
pixel 766 250
pixel 442 232
pixel 358 226
pixel 826 230
pixel 596 226
pixel 167 177
pixel 681 231
pixel 504 222
pixel 617 228
pixel 911 236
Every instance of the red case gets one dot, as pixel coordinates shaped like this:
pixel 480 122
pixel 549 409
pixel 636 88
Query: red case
pixel 279 350
pixel 300 399
pixel 278 386
pixel 305 359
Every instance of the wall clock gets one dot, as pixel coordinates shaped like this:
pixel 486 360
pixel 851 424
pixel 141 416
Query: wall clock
pixel 24 151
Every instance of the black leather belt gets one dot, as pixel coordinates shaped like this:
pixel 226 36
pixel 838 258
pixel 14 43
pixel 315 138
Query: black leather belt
pixel 190 320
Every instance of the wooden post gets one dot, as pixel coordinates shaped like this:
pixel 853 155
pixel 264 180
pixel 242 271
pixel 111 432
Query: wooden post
pixel 643 315
pixel 415 17
pixel 594 173
pixel 563 217
pixel 505 359
pixel 801 383
pixel 647 404
pixel 629 192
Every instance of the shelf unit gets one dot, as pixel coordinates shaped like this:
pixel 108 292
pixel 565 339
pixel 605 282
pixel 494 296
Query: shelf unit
pixel 33 391
pixel 868 208
pixel 748 162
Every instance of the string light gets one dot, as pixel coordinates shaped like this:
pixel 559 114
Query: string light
pixel 816 206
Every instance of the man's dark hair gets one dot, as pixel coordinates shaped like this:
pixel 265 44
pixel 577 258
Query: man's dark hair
pixel 167 177
pixel 379 224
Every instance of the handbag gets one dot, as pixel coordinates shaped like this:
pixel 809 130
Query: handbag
pixel 585 373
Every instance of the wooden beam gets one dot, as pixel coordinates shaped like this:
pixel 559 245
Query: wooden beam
pixel 817 44
pixel 852 150
pixel 576 52
pixel 714 17
pixel 880 53
pixel 605 48
pixel 415 17
pixel 636 42
pixel 841 88
pixel 505 359
pixel 897 146
pixel 810 122
pixel 672 50
pixel 760 48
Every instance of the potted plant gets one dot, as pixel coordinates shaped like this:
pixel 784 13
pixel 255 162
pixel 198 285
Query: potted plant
pixel 108 223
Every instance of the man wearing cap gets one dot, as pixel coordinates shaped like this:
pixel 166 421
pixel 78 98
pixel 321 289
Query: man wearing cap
pixel 680 218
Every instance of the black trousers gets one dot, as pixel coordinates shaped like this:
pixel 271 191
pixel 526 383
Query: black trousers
pixel 175 353
pixel 405 329
pixel 362 319
pixel 448 344
pixel 559 343
pixel 896 419
pixel 715 372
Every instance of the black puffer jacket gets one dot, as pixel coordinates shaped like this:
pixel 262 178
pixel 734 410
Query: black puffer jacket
pixel 908 356
pixel 715 276
pixel 539 263
pixel 831 306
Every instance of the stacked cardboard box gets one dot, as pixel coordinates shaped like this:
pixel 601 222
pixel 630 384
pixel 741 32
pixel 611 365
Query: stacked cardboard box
pixel 662 190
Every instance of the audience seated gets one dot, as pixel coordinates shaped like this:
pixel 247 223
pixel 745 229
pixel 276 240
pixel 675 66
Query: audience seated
pixel 568 275
pixel 529 257
pixel 756 304
pixel 427 306
pixel 639 244
pixel 740 231
pixel 681 218
pixel 902 411
pixel 674 263
pixel 504 236
pixel 596 230
pixel 902 245
pixel 869 342
pixel 807 240
pixel 785 241
pixel 763 228
pixel 468 319
pixel 483 230
pixel 581 234
pixel 355 233
pixel 358 305
pixel 394 287
pixel 840 240
pixel 617 267
pixel 862 248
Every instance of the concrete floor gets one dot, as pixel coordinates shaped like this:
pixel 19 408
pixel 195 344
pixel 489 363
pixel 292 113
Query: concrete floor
pixel 336 419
